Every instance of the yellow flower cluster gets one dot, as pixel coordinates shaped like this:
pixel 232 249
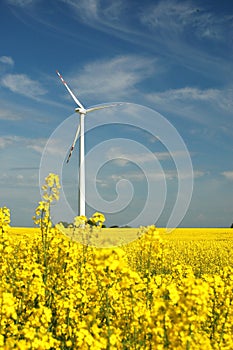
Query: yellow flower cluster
pixel 51 188
pixel 84 230
pixel 50 194
pixel 81 297
pixel 97 219
pixel 56 293
pixel 206 250
pixel 5 219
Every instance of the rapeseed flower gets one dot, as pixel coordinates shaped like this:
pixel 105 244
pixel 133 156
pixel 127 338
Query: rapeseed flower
pixel 153 293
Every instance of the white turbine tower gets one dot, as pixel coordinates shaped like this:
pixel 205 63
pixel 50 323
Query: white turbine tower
pixel 80 131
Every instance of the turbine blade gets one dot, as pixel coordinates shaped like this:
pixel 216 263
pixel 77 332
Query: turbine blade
pixel 73 144
pixel 91 109
pixel 70 92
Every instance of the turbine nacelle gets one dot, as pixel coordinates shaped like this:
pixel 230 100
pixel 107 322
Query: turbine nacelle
pixel 81 110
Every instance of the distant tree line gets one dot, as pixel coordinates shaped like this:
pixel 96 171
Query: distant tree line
pixel 91 223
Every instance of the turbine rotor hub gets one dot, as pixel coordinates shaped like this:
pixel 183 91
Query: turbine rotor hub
pixel 81 110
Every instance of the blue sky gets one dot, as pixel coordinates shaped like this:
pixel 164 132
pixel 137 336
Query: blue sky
pixel 174 57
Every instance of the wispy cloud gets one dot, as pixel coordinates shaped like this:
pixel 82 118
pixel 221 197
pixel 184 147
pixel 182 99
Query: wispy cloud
pixel 7 60
pixel 113 77
pixel 18 179
pixel 8 115
pixel 168 15
pixel 177 30
pixel 36 145
pixel 12 110
pixel 17 141
pixel 172 28
pixel 180 18
pixel 228 175
pixel 96 10
pixel 86 9
pixel 55 146
pixel 116 153
pixel 202 105
pixel 185 33
pixel 6 141
pixel 188 93
pixel 139 176
pixel 23 85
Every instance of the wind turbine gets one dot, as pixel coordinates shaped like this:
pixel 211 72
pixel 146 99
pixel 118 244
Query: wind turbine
pixel 80 131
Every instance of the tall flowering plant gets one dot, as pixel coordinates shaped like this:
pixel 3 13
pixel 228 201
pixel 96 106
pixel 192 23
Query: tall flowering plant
pixel 5 219
pixel 50 194
pixel 43 216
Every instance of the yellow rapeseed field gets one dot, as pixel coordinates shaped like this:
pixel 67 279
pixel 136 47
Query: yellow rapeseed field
pixel 161 291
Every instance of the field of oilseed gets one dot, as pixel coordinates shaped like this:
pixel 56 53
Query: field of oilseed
pixel 58 290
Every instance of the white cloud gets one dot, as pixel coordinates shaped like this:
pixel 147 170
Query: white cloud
pixel 37 145
pixel 5 141
pixel 17 141
pixel 169 15
pixel 30 179
pixel 114 77
pixel 153 176
pixel 87 9
pixel 228 175
pixel 121 162
pixel 131 176
pixel 180 18
pixel 8 115
pixel 19 177
pixel 209 26
pixel 173 174
pixel 23 85
pixel 7 60
pixel 14 110
pixel 55 146
pixel 183 31
pixel 122 157
pixel 184 94
pixel 193 102
pixel 225 99
pixel 96 10
pixel 199 173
